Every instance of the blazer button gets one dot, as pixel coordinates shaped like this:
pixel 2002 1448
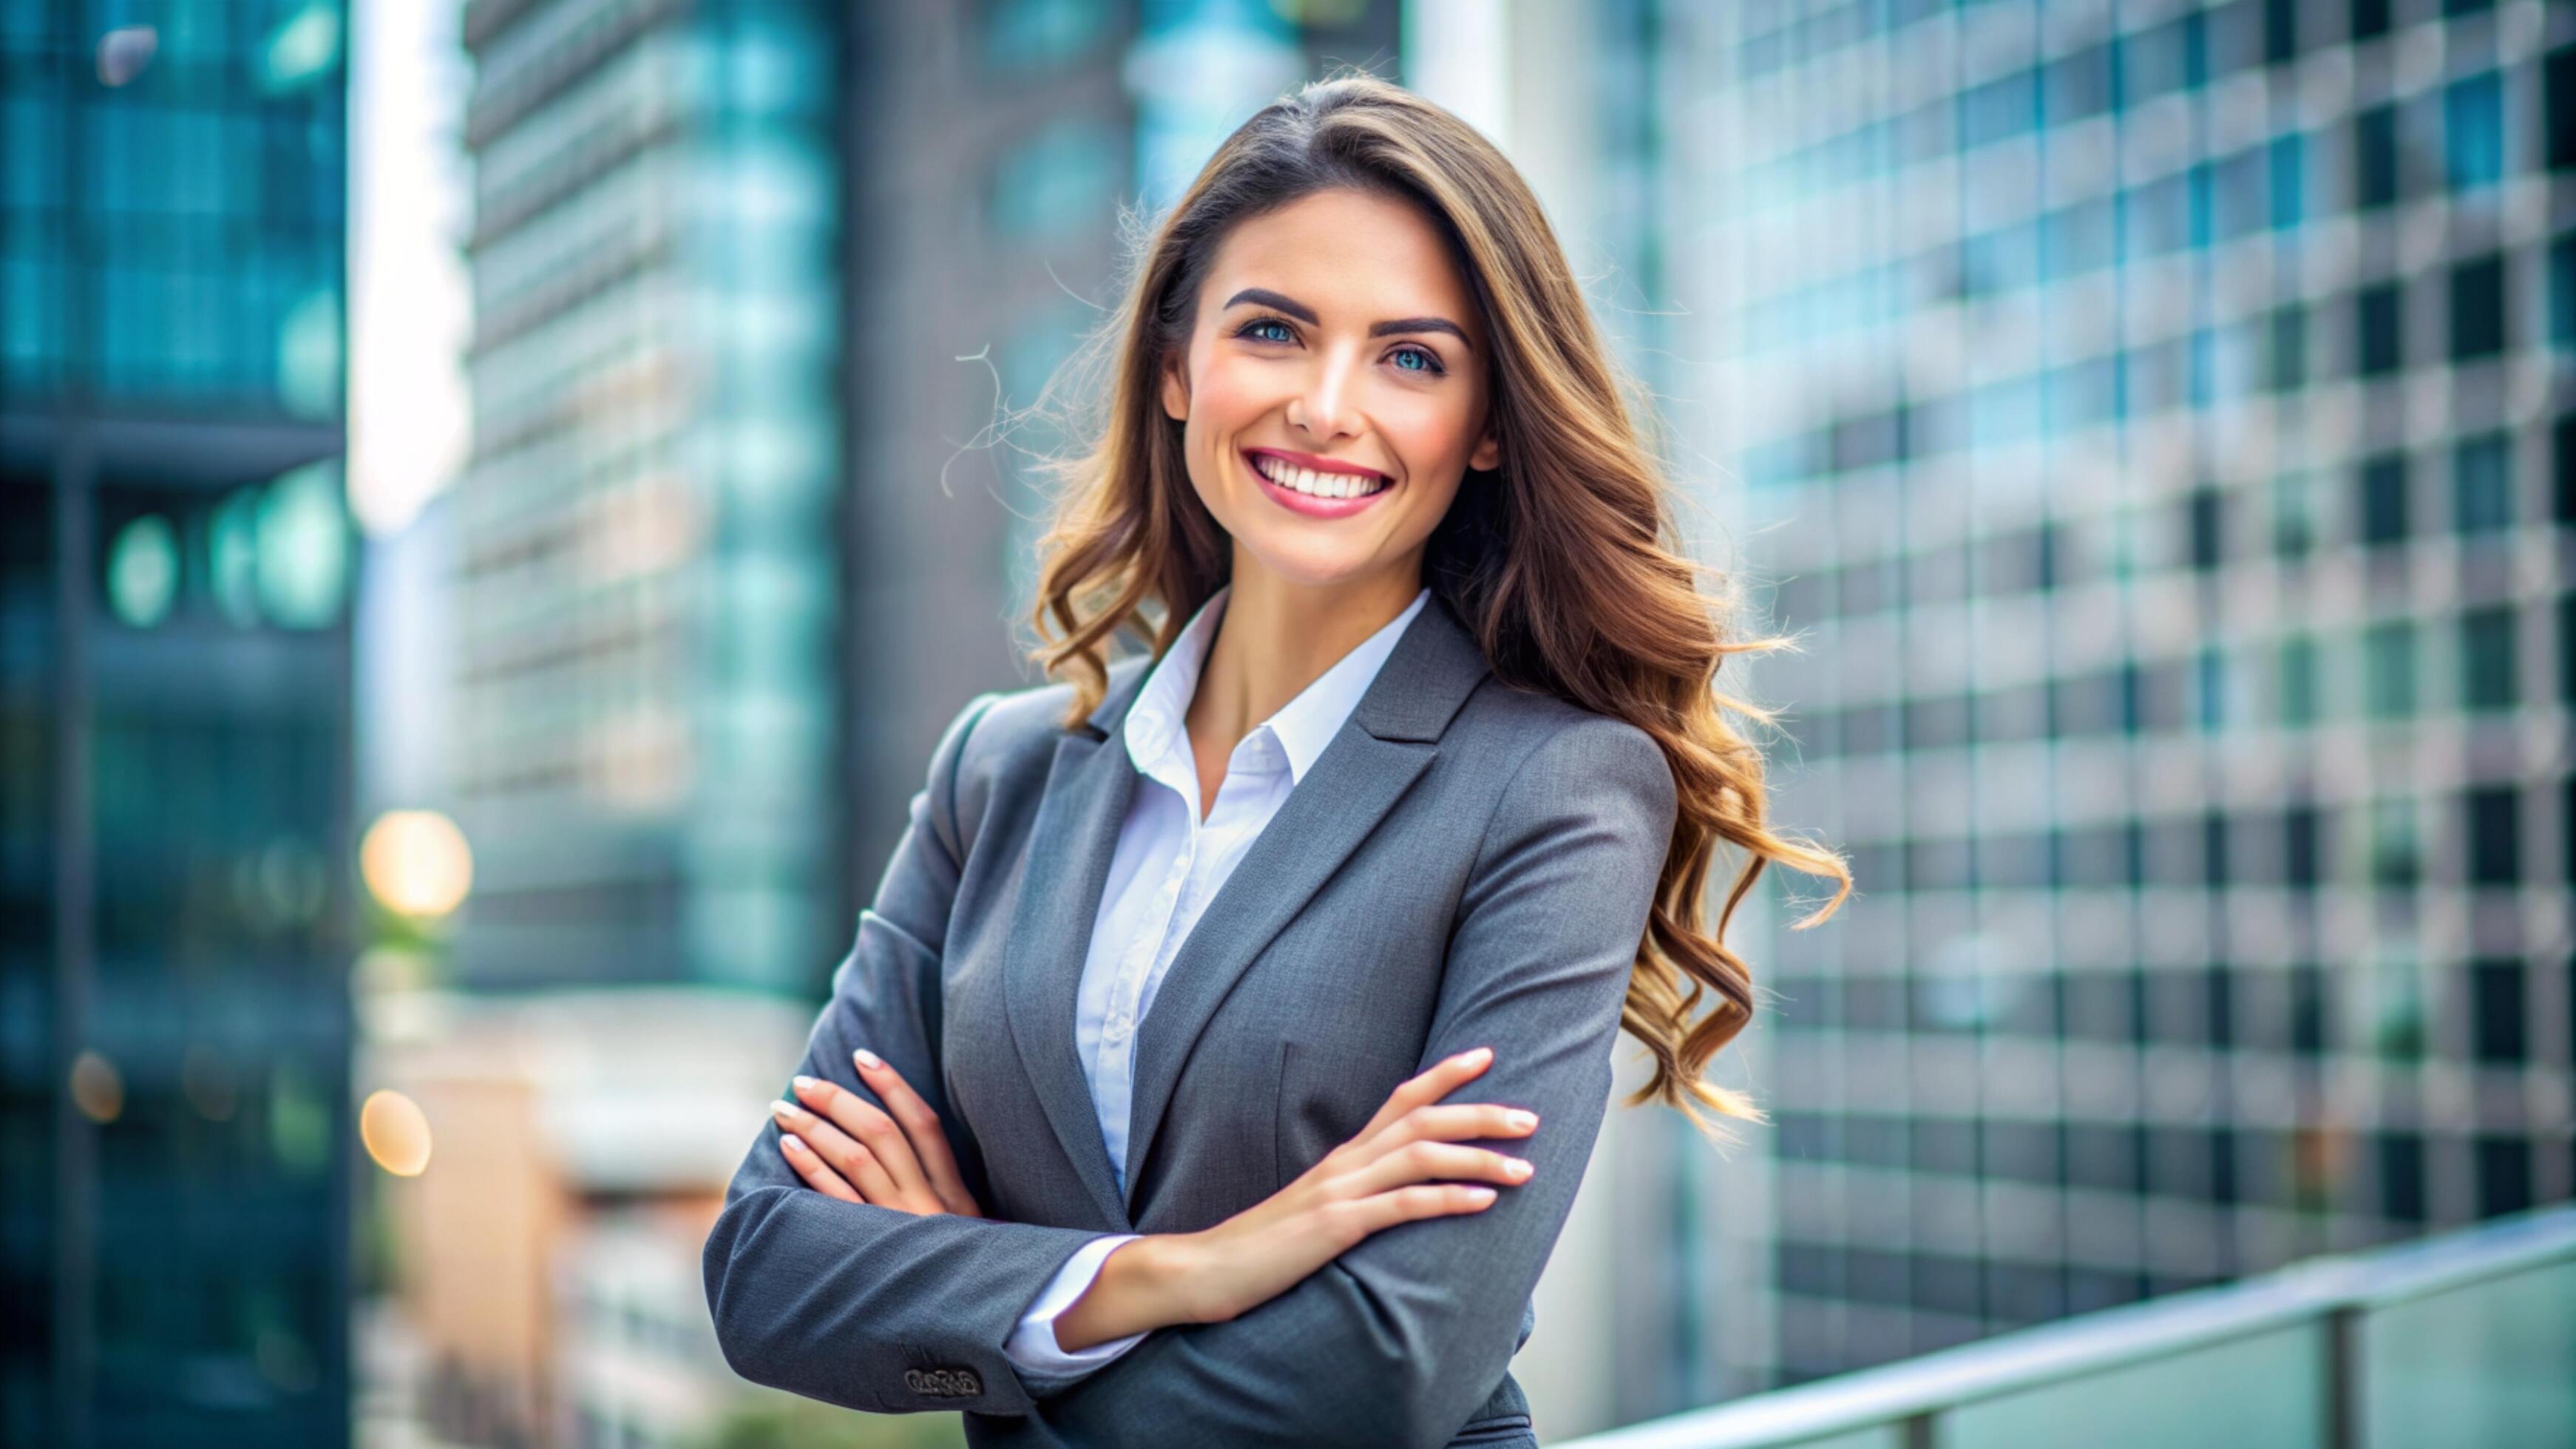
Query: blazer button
pixel 957 1382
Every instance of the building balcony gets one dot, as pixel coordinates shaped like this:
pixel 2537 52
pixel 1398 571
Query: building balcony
pixel 2465 1340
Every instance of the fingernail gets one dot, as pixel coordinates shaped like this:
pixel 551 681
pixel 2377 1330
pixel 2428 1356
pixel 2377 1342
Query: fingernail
pixel 1475 1054
pixel 1517 1167
pixel 867 1058
pixel 781 1111
pixel 1481 1194
pixel 1521 1119
pixel 791 1141
pixel 806 1084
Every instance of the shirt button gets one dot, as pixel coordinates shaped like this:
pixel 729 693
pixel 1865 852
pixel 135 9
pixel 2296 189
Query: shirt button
pixel 1119 1026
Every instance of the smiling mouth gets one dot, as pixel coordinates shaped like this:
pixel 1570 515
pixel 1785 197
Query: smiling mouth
pixel 1331 487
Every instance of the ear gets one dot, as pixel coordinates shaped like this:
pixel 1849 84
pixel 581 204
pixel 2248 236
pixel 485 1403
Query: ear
pixel 1488 455
pixel 1176 394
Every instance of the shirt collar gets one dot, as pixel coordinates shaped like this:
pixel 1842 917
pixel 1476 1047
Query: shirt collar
pixel 1303 726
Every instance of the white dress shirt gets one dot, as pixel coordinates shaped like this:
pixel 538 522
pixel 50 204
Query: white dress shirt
pixel 1168 866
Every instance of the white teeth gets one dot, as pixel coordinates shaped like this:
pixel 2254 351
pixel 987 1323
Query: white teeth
pixel 1307 480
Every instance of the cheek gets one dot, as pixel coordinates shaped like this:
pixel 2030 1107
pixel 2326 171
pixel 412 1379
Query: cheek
pixel 1223 408
pixel 1433 435
pixel 1228 396
pixel 1428 506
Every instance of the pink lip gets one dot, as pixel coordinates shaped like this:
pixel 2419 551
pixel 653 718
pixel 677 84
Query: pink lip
pixel 1308 504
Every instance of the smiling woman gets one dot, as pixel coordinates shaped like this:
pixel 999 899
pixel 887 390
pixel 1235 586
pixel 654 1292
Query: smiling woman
pixel 1232 1028
pixel 1334 357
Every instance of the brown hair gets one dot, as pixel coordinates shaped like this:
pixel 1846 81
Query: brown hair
pixel 1560 561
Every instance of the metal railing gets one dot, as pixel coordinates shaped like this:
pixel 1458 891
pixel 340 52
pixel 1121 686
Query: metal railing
pixel 2465 1340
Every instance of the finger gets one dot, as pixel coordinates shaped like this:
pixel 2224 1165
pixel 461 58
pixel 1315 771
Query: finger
pixel 1429 1200
pixel 1430 1086
pixel 866 1123
pixel 852 1160
pixel 920 1125
pixel 1453 1122
pixel 816 1173
pixel 1427 1161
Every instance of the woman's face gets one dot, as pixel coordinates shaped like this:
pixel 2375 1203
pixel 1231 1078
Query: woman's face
pixel 1337 347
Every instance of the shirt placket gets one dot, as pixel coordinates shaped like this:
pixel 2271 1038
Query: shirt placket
pixel 1214 842
pixel 1119 1031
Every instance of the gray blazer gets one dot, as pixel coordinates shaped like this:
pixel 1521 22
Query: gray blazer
pixel 1466 864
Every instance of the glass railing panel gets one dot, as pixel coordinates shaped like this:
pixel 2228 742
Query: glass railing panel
pixel 2489 1363
pixel 2462 1341
pixel 2263 1389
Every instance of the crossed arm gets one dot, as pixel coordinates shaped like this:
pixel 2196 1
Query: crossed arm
pixel 863 1306
pixel 1398 1339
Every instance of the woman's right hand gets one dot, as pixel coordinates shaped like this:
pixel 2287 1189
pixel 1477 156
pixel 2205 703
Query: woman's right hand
pixel 1403 1165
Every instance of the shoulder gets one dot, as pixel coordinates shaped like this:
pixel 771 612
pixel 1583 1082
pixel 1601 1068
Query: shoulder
pixel 1524 728
pixel 997 752
pixel 1573 796
pixel 1547 753
pixel 1001 732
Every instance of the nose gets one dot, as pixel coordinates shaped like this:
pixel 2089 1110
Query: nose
pixel 1323 407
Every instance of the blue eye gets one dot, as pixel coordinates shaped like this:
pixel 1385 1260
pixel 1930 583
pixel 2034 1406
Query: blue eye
pixel 1431 366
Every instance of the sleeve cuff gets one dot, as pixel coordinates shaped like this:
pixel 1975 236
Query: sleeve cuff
pixel 1032 1348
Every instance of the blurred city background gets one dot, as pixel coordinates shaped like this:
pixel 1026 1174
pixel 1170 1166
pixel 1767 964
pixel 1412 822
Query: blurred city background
pixel 497 498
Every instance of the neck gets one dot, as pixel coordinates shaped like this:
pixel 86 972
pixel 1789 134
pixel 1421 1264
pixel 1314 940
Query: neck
pixel 1277 637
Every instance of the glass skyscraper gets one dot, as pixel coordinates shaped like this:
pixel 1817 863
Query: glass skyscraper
pixel 174 743
pixel 647 583
pixel 2155 421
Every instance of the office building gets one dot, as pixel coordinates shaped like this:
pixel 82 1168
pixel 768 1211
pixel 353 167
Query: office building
pixel 646 583
pixel 175 890
pixel 2154 420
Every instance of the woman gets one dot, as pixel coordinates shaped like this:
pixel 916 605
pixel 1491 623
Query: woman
pixel 1129 1119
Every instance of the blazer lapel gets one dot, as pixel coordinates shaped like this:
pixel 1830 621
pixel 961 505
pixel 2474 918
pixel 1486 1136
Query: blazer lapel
pixel 1389 740
pixel 1071 844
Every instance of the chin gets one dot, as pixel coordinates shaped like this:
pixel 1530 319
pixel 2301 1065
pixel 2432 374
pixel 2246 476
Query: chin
pixel 1306 566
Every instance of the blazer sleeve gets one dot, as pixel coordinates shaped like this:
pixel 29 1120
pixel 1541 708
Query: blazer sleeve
pixel 863 1306
pixel 1399 1339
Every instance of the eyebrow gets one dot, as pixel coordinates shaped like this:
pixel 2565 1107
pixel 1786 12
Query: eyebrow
pixel 1263 296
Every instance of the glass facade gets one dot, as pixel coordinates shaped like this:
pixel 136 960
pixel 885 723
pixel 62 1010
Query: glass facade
pixel 171 227
pixel 648 584
pixel 2150 420
pixel 174 561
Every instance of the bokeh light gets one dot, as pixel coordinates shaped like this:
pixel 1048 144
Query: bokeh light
pixel 417 863
pixel 143 571
pixel 302 50
pixel 303 547
pixel 396 1133
pixel 98 1089
pixel 124 52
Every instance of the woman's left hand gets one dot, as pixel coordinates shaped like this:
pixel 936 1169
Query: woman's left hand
pixel 844 1145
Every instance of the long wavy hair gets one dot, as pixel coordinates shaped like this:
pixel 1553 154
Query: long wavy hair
pixel 1563 561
